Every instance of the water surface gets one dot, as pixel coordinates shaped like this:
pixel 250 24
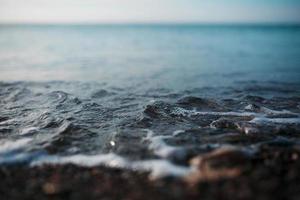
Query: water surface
pixel 145 96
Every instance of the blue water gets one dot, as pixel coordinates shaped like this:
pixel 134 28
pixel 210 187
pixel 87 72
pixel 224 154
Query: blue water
pixel 122 95
pixel 176 56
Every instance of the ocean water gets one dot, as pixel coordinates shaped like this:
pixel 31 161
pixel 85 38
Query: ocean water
pixel 146 97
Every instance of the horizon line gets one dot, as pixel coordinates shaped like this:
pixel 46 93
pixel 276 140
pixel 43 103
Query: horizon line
pixel 151 23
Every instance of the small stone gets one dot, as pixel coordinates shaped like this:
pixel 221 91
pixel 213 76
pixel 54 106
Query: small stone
pixel 50 188
pixel 225 162
pixel 295 156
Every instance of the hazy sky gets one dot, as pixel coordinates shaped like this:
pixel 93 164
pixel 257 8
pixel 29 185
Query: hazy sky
pixel 118 11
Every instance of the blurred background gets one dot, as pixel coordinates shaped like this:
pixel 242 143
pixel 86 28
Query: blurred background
pixel 177 43
pixel 149 11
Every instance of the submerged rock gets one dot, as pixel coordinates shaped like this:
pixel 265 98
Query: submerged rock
pixel 221 163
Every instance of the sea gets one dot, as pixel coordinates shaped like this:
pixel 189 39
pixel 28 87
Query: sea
pixel 145 97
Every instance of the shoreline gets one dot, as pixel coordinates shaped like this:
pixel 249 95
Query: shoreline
pixel 272 173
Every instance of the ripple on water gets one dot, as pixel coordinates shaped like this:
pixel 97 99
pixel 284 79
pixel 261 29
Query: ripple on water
pixel 149 130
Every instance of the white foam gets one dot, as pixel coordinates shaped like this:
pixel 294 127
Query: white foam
pixel 157 168
pixel 177 132
pixel 249 107
pixel 275 112
pixel 158 145
pixel 182 111
pixel 152 101
pixel 109 160
pixel 250 130
pixel 7 146
pixel 29 130
pixel 161 168
pixel 257 117
pixel 190 113
pixel 276 120
pixel 112 143
pixel 8 122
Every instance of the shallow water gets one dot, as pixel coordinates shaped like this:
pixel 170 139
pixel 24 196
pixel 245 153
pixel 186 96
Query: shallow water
pixel 145 97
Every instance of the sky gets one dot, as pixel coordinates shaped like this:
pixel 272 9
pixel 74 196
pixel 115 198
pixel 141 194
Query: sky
pixel 152 11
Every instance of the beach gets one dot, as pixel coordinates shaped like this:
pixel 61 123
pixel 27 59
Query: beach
pixel 156 112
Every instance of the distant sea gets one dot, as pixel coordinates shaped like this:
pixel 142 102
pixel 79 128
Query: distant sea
pixel 173 55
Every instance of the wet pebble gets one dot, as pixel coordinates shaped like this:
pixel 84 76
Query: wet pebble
pixel 225 162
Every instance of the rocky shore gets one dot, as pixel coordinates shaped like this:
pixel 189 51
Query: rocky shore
pixel 271 173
